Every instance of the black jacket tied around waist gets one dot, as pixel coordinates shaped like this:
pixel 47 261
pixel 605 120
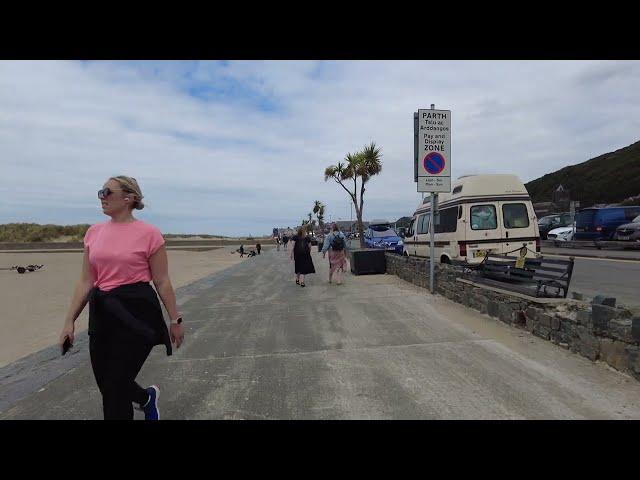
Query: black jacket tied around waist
pixel 132 312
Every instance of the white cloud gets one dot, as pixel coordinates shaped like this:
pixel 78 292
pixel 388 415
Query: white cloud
pixel 251 152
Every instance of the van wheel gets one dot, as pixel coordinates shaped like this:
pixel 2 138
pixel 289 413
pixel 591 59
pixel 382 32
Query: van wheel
pixel 445 259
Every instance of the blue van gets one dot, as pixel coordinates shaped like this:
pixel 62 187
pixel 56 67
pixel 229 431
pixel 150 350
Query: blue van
pixel 601 223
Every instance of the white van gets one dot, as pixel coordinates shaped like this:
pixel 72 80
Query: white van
pixel 482 214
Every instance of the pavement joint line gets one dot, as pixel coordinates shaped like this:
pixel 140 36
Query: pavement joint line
pixel 349 300
pixel 325 350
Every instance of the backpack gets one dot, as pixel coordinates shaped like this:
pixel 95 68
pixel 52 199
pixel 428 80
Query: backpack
pixel 337 243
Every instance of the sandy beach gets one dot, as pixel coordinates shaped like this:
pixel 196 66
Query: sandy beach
pixel 33 305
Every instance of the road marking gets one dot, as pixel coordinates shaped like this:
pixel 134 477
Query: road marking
pixel 596 258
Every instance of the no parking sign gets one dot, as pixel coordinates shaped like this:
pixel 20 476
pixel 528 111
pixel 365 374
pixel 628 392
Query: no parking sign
pixel 434 150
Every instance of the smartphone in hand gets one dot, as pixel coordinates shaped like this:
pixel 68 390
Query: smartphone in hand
pixel 66 345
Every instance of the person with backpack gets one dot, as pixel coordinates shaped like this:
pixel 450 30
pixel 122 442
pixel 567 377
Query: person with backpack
pixel 285 240
pixel 336 244
pixel 301 255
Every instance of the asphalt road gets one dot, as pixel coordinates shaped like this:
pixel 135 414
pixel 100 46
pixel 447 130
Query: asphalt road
pixel 260 347
pixel 617 278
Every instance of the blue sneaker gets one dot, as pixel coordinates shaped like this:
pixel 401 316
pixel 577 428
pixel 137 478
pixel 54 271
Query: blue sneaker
pixel 150 409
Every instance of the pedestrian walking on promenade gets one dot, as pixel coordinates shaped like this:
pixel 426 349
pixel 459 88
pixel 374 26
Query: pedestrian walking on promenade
pixel 258 248
pixel 336 244
pixel 121 257
pixel 285 240
pixel 241 250
pixel 301 255
pixel 278 244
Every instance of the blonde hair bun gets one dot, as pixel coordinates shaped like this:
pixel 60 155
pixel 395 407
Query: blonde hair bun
pixel 130 185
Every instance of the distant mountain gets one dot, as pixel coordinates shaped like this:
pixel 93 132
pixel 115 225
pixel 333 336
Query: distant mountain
pixel 609 178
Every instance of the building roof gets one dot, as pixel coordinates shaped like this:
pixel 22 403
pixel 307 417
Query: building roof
pixel 478 185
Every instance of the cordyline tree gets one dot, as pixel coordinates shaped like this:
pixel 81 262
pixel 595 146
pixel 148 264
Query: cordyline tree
pixel 318 209
pixel 360 165
pixel 308 225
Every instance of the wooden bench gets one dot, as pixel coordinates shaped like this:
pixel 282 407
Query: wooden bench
pixel 540 277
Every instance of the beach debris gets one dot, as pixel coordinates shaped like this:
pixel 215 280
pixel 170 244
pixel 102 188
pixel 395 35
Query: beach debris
pixel 28 268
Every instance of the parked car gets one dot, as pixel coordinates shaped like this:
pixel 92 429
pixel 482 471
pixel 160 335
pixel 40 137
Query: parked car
pixel 562 234
pixel 629 231
pixel 548 223
pixel 602 223
pixel 383 236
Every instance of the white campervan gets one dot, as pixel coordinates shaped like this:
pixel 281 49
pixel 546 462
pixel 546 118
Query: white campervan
pixel 482 214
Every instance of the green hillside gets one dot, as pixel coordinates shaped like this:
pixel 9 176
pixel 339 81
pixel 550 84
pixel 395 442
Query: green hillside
pixel 609 178
pixel 33 232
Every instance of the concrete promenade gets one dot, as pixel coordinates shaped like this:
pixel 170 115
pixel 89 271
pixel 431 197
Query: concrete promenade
pixel 260 347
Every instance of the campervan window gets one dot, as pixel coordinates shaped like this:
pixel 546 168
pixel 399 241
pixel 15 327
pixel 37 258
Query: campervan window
pixel 515 215
pixel 423 224
pixel 483 217
pixel 448 220
pixel 382 231
pixel 410 230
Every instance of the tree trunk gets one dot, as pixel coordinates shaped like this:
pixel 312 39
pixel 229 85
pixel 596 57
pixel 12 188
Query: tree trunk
pixel 360 227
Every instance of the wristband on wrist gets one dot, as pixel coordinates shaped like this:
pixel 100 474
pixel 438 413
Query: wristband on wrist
pixel 177 321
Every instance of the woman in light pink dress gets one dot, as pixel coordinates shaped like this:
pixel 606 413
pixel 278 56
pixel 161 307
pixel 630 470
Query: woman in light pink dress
pixel 336 244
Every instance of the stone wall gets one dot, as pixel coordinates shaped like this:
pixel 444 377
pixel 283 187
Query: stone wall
pixel 599 330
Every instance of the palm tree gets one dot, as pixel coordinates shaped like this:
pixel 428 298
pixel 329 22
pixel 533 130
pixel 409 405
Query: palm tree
pixel 364 165
pixel 318 209
pixel 310 223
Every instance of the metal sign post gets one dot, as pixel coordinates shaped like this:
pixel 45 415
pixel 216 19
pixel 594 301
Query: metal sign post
pixel 572 209
pixel 416 146
pixel 432 171
pixel 432 229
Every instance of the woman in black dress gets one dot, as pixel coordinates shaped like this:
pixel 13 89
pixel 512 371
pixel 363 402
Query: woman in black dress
pixel 301 254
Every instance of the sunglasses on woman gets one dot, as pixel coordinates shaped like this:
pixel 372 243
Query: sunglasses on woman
pixel 105 192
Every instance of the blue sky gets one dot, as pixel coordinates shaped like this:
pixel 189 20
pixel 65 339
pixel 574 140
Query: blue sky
pixel 238 147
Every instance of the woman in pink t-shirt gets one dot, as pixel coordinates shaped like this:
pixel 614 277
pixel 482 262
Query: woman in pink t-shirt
pixel 121 257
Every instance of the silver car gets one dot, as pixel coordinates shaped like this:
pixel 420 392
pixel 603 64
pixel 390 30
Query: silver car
pixel 629 231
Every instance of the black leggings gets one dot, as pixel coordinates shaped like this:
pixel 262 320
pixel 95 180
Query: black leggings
pixel 116 364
